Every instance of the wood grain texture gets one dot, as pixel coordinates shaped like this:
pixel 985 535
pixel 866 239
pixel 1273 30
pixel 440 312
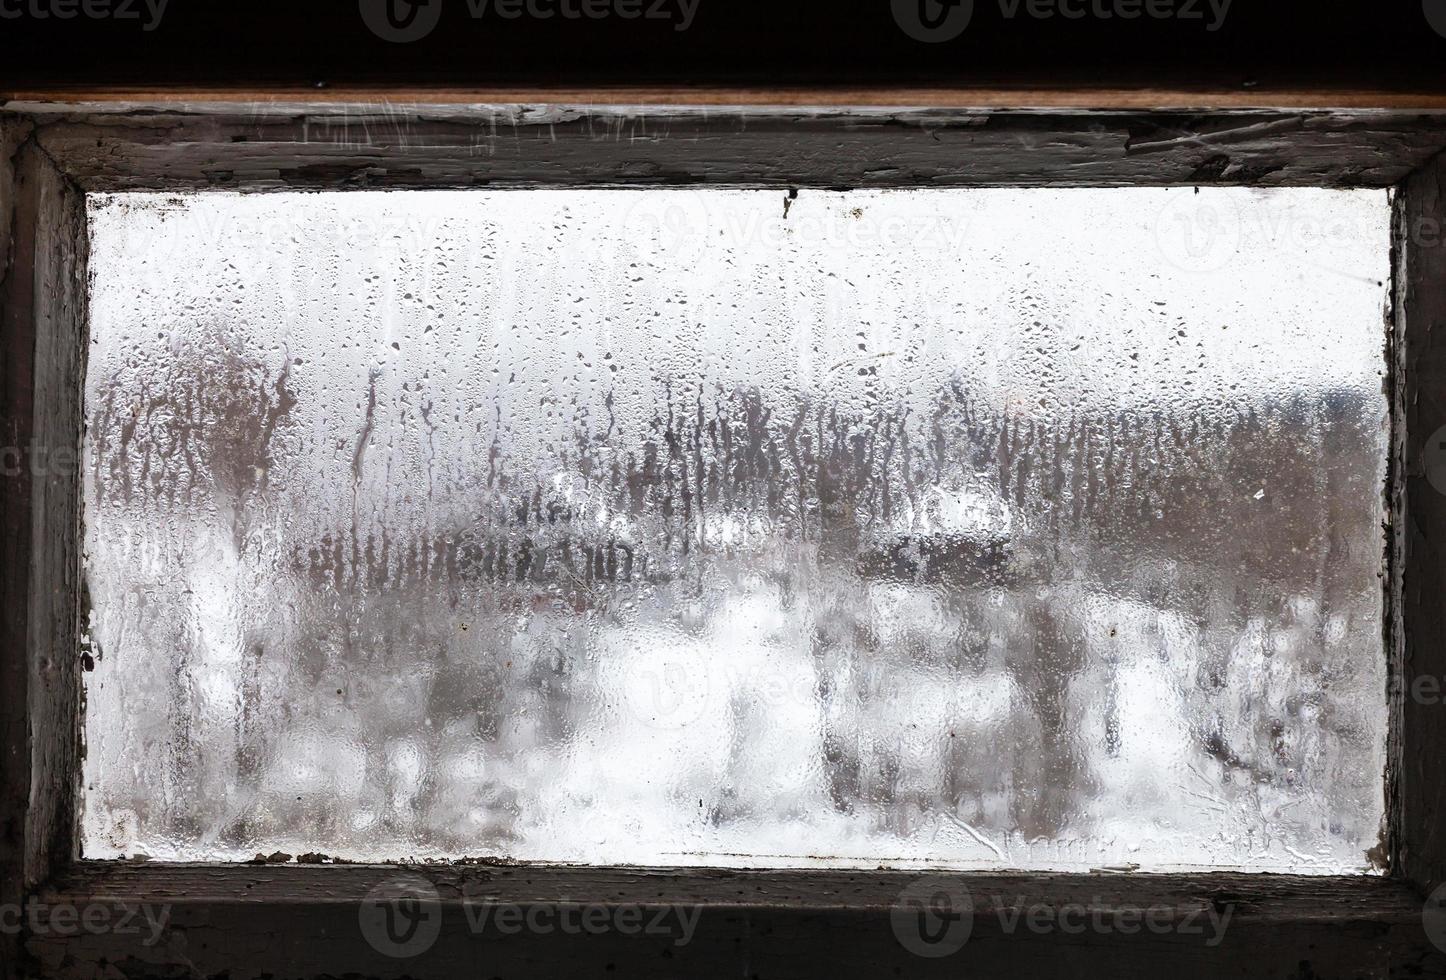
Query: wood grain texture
pixel 1138 98
pixel 303 921
pixel 1419 528
pixel 42 329
pixel 267 146
pixel 290 921
pixel 1268 898
pixel 61 334
pixel 15 398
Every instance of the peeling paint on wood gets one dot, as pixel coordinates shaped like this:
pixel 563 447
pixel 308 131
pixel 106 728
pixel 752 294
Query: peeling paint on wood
pixel 301 920
pixel 42 329
pixel 1418 770
pixel 342 146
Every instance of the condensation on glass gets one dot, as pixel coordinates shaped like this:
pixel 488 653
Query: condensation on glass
pixel 958 528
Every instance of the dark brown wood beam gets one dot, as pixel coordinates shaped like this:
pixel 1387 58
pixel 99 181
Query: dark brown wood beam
pixel 271 146
pixel 1419 526
pixel 292 920
pixel 42 330
pixel 1144 98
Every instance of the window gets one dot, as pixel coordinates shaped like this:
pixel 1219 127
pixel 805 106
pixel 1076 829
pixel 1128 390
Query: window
pixel 1151 492
pixel 957 528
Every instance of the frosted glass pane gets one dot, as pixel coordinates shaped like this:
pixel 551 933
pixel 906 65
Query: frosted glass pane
pixel 968 528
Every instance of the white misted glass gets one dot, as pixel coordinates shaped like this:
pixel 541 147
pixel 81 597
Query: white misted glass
pixel 957 528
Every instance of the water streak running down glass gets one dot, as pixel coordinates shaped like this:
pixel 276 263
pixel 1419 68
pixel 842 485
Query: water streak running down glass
pixel 955 528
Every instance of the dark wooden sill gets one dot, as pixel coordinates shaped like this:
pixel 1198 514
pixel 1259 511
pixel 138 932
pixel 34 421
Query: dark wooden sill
pixel 302 921
pixel 1262 897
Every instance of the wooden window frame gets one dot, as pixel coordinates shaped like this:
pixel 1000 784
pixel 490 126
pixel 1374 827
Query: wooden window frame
pixel 301 920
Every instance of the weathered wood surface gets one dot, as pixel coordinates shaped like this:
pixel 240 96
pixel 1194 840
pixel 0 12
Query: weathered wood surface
pixel 1137 98
pixel 1274 898
pixel 271 146
pixel 297 921
pixel 42 330
pixel 14 550
pixel 1418 767
pixel 303 921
